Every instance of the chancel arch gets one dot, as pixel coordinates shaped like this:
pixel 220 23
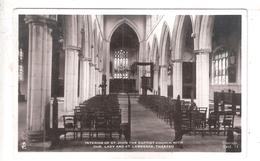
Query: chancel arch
pixel 129 23
pixel 124 48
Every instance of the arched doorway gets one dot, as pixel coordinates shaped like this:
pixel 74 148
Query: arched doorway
pixel 124 47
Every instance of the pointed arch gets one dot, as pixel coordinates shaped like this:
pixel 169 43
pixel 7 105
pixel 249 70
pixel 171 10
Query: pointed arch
pixel 148 52
pixel 165 35
pixel 184 21
pixel 206 31
pixel 196 31
pixel 94 40
pixel 174 35
pixel 89 35
pixel 86 35
pixel 155 53
pixel 124 21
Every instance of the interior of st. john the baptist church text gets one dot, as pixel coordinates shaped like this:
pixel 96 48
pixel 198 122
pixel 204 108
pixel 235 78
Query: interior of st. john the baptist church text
pixel 146 83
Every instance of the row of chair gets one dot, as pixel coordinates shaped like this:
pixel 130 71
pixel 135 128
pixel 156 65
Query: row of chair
pixel 194 119
pixel 99 114
pixel 162 106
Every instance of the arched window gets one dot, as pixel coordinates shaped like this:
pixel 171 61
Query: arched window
pixel 121 64
pixel 223 66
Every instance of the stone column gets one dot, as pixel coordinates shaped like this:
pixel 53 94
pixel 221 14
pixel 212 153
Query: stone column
pixel 39 75
pixel 84 79
pixel 177 78
pixel 92 79
pixel 202 78
pixel 96 79
pixel 141 58
pixel 89 78
pixel 71 63
pixel 106 63
pixel 155 80
pixel 83 68
pixel 71 79
pixel 163 81
pixel 100 81
pixel 87 73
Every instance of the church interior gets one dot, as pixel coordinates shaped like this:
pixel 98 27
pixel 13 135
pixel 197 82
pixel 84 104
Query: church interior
pixel 121 78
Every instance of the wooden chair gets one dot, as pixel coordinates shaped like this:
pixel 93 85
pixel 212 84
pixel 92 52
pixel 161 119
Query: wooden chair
pixel 185 121
pixel 87 124
pixel 114 124
pixel 69 125
pixel 228 122
pixel 203 115
pixel 213 121
pixel 195 120
pixel 100 124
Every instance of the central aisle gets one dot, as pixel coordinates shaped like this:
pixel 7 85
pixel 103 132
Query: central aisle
pixel 145 126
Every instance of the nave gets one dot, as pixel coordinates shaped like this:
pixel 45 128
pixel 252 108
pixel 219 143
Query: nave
pixel 145 127
pixel 67 61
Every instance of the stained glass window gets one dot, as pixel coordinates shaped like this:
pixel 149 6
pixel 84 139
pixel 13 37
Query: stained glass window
pixel 121 64
pixel 221 66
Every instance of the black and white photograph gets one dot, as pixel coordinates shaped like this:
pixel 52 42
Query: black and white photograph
pixel 131 83
pixel 107 80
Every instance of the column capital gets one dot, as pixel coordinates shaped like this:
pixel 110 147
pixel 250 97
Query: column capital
pixel 202 51
pixel 89 59
pixel 92 64
pixel 163 66
pixel 176 61
pixel 107 41
pixel 142 41
pixel 41 20
pixel 85 59
pixel 70 47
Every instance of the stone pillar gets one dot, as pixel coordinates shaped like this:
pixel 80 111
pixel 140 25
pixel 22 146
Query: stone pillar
pixel 87 73
pixel 71 79
pixel 84 79
pixel 83 92
pixel 202 78
pixel 92 80
pixel 141 58
pixel 71 63
pixel 155 80
pixel 96 79
pixel 106 64
pixel 39 75
pixel 163 81
pixel 177 78
pixel 99 80
pixel 89 78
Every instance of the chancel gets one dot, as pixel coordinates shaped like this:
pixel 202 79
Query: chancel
pixel 134 81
